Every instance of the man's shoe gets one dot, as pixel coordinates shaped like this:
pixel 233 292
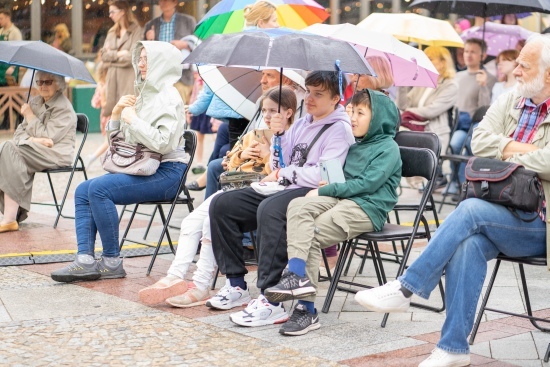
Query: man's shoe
pixel 291 286
pixel 260 312
pixel 194 186
pixel 76 271
pixel 301 322
pixel 193 297
pixel 387 298
pixel 440 358
pixel 109 272
pixel 9 227
pixel 165 288
pixel 229 297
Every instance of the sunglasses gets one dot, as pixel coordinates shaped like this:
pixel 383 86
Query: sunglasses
pixel 42 82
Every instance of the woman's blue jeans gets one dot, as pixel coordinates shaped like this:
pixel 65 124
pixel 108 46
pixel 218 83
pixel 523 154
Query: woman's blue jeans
pixel 215 169
pixel 476 232
pixel 95 201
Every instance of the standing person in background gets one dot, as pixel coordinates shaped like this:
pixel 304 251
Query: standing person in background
pixel 509 19
pixel 506 63
pixel 8 32
pixel 261 14
pixel 61 38
pixel 116 53
pixel 99 101
pixel 172 27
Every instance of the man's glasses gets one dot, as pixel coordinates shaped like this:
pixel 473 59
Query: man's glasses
pixel 42 82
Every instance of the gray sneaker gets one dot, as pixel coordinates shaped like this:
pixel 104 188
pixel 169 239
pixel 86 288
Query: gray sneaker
pixel 76 271
pixel 108 272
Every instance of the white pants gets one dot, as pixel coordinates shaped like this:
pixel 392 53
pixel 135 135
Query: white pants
pixel 195 227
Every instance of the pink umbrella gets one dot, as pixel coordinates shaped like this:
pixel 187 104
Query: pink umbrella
pixel 499 37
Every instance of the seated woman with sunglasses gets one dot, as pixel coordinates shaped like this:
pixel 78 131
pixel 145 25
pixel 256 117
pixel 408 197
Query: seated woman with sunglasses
pixel 44 140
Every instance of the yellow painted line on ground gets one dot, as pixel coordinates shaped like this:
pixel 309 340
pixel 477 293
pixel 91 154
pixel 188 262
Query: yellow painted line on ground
pixel 60 252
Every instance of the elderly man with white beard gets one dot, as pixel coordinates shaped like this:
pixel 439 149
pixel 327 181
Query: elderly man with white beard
pixel 515 129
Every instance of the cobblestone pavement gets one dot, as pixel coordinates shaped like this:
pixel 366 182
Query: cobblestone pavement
pixel 44 323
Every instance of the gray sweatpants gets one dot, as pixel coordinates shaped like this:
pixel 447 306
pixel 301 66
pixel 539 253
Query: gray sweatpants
pixel 314 223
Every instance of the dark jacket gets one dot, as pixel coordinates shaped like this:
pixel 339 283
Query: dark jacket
pixel 185 25
pixel 373 165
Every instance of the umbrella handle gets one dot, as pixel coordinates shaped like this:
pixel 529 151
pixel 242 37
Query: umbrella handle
pixel 30 86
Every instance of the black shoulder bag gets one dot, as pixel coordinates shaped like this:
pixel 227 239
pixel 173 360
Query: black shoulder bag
pixel 504 183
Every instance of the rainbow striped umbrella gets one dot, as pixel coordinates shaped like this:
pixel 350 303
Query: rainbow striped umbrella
pixel 227 16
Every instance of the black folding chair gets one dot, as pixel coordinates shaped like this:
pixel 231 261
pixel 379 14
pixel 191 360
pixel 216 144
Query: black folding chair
pixel 190 146
pixel 536 261
pixel 82 127
pixel 416 162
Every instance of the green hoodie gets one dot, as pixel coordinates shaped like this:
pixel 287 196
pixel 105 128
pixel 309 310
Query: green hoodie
pixel 373 165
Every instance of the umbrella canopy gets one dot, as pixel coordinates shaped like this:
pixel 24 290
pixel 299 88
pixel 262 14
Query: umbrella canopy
pixel 483 8
pixel 240 88
pixel 416 28
pixel 499 37
pixel 278 48
pixel 410 66
pixel 227 16
pixel 38 55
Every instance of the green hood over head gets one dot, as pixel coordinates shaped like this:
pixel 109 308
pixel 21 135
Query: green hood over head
pixel 384 117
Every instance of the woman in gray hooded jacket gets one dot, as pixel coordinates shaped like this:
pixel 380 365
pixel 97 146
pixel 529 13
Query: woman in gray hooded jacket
pixel 153 116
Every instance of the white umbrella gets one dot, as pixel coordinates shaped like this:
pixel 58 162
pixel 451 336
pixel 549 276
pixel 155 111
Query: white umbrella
pixel 410 66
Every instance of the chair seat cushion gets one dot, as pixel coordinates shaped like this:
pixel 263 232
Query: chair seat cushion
pixel 456 158
pixel 391 232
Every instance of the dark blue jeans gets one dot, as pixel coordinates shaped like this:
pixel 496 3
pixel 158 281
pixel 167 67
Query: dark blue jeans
pixel 221 145
pixel 215 169
pixel 95 201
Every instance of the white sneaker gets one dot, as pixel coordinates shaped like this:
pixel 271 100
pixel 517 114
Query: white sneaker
pixel 229 297
pixel 260 312
pixel 440 358
pixel 387 298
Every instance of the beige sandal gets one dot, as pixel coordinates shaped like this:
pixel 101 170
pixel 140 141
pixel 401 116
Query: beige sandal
pixel 193 297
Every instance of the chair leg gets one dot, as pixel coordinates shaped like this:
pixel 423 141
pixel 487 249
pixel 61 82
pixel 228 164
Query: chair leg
pixel 215 279
pixel 128 225
pixel 344 252
pixel 159 243
pixel 547 355
pixel 121 214
pixel 528 301
pixel 64 198
pixel 150 222
pixel 327 267
pixel 484 303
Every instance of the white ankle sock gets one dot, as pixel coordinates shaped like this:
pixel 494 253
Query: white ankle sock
pixel 85 259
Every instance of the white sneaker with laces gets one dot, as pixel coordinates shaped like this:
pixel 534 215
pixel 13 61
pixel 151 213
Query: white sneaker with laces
pixel 260 312
pixel 229 297
pixel 387 298
pixel 440 358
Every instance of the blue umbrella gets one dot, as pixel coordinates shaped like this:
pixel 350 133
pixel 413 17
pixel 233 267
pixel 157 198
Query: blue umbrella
pixel 38 55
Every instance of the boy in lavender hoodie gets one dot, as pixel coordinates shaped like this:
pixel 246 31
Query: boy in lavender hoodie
pixel 235 212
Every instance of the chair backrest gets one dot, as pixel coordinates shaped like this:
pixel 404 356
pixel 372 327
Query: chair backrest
pixel 453 118
pixel 479 114
pixel 417 139
pixel 190 144
pixel 419 162
pixel 82 124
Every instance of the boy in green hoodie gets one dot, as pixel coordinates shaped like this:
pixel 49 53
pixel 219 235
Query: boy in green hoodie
pixel 340 211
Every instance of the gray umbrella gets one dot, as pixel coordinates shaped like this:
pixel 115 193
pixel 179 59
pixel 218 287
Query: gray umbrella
pixel 483 8
pixel 38 55
pixel 279 48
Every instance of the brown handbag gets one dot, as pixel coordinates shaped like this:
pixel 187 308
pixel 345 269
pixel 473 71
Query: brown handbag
pixel 122 157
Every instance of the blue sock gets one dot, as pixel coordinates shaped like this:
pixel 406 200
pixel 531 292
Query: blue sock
pixel 297 266
pixel 238 282
pixel 309 305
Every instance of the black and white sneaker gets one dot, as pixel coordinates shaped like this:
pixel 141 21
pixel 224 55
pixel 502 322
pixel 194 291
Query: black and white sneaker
pixel 291 286
pixel 301 322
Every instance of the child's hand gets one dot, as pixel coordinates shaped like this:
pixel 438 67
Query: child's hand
pixel 251 152
pixel 272 177
pixel 313 193
pixel 349 110
pixel 278 124
pixel 322 183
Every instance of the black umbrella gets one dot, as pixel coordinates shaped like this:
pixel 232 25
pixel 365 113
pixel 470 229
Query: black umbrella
pixel 279 48
pixel 483 8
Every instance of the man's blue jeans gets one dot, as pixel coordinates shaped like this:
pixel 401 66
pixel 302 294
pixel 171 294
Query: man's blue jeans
pixel 95 201
pixel 476 232
pixel 215 169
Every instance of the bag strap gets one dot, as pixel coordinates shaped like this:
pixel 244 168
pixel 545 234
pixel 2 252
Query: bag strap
pixel 304 156
pixel 245 131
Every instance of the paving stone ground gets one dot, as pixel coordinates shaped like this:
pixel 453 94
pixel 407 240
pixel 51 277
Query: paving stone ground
pixel 44 323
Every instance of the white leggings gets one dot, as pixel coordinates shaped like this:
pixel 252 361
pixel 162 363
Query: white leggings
pixel 195 227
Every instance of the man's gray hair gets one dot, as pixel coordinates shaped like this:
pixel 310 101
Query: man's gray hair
pixel 544 41
pixel 59 80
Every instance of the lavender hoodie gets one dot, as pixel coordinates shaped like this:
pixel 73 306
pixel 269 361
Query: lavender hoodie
pixel 334 143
